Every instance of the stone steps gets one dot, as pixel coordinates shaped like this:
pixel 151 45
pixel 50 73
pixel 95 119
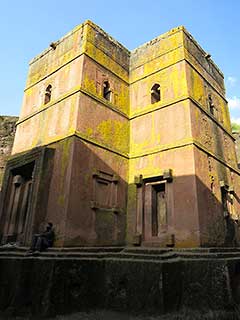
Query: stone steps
pixel 130 253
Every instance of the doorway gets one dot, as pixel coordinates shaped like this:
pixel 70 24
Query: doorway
pixel 155 210
pixel 17 207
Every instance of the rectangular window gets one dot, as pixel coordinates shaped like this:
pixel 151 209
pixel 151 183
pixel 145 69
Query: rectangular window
pixel 105 187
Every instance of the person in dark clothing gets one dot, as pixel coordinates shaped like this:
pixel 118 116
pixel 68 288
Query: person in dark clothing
pixel 44 240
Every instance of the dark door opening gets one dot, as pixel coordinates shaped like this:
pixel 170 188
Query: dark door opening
pixel 155 210
pixel 18 203
pixel 159 213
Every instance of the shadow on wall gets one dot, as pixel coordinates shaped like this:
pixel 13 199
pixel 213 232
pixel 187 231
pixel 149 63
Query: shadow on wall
pixel 25 195
pixel 82 189
pixel 180 215
pixel 79 188
pixel 217 226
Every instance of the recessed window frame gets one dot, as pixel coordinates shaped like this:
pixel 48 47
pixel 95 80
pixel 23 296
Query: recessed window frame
pixel 48 94
pixel 211 104
pixel 155 93
pixel 106 91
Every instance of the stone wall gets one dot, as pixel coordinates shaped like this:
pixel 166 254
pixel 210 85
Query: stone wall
pixel 7 132
pixel 190 284
pixel 237 145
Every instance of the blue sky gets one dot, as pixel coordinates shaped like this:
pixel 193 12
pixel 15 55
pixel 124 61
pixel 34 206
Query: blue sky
pixel 27 27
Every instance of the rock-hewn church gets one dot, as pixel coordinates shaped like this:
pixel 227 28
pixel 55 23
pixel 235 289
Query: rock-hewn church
pixel 123 148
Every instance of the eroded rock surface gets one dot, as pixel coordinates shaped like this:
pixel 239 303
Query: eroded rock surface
pixel 7 133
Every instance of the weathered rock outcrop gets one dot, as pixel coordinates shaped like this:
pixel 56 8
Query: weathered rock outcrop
pixel 7 132
pixel 173 284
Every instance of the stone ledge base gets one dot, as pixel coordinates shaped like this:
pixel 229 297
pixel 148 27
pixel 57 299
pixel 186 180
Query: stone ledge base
pixel 128 281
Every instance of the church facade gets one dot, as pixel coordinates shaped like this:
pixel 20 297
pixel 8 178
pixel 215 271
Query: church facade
pixel 123 148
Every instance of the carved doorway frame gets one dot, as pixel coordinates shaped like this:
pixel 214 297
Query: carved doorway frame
pixel 151 226
pixel 35 210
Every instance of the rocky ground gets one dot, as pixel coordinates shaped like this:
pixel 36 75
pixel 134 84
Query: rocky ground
pixel 110 315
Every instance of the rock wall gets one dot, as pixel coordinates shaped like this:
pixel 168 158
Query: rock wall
pixel 7 132
pixel 197 284
pixel 237 144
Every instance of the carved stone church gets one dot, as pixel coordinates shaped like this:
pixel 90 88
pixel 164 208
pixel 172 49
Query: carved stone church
pixel 119 147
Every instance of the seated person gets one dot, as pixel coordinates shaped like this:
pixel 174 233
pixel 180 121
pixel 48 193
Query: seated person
pixel 44 240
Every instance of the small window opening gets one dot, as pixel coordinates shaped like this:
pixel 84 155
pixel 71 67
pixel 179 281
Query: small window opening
pixel 48 94
pixel 155 93
pixel 106 91
pixel 210 104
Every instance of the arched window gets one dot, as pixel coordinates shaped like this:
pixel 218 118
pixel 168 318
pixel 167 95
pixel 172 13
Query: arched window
pixel 210 104
pixel 155 93
pixel 48 94
pixel 106 90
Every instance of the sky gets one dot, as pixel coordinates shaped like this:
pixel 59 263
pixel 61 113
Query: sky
pixel 28 27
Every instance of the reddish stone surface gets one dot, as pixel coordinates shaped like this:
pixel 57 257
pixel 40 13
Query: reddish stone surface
pixel 7 132
pixel 120 167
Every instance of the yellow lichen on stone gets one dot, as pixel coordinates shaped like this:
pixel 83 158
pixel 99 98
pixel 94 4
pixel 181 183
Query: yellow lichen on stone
pixel 196 87
pixel 126 128
pixel 104 60
pixel 114 133
pixel 89 132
